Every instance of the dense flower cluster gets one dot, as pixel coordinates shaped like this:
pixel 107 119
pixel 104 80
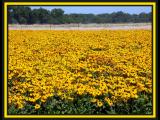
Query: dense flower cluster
pixel 108 65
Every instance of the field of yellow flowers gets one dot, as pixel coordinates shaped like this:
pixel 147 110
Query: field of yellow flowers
pixel 80 72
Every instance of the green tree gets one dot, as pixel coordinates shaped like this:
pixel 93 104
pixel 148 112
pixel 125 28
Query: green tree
pixel 25 15
pixel 57 16
pixel 19 13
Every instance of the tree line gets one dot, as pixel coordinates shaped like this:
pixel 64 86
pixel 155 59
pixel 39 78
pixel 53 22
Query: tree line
pixel 26 15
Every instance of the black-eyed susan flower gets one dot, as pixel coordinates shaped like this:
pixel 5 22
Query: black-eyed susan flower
pixel 37 106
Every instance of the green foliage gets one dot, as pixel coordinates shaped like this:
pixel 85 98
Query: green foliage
pixel 82 105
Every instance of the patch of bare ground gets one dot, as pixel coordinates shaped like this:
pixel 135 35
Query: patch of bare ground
pixel 125 26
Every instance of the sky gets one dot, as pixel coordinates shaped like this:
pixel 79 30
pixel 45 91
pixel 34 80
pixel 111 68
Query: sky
pixel 99 9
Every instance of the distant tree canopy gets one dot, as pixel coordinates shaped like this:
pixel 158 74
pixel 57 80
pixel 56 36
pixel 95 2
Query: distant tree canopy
pixel 25 15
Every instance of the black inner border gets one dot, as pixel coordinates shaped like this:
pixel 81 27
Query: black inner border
pixel 77 6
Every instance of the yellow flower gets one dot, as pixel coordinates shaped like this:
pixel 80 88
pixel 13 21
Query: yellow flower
pixel 94 100
pixel 89 75
pixel 37 106
pixel 20 106
pixel 99 103
pixel 108 101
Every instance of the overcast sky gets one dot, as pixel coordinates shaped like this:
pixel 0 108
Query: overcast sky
pixel 99 9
